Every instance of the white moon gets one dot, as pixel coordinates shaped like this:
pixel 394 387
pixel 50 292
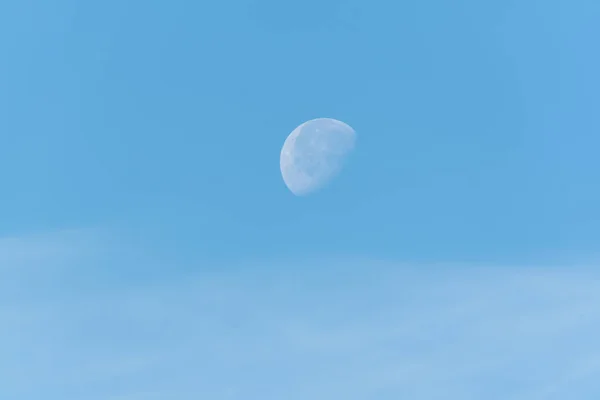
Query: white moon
pixel 314 153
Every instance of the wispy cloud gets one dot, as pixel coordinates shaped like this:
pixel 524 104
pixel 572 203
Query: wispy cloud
pixel 43 249
pixel 373 331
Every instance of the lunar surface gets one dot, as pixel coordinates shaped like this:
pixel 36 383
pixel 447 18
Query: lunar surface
pixel 315 153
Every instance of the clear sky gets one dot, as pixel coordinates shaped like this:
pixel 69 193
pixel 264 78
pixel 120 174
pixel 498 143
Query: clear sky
pixel 149 248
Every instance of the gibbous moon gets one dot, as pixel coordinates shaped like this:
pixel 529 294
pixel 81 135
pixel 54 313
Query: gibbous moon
pixel 314 153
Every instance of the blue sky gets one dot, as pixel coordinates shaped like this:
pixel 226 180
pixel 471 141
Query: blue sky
pixel 142 200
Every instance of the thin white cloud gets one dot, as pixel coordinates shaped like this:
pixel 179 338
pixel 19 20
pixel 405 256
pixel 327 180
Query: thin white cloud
pixel 360 332
pixel 44 249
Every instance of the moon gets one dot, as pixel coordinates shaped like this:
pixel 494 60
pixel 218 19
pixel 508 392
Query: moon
pixel 315 153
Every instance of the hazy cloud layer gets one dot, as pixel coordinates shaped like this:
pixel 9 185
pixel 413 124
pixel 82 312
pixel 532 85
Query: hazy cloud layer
pixel 339 330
